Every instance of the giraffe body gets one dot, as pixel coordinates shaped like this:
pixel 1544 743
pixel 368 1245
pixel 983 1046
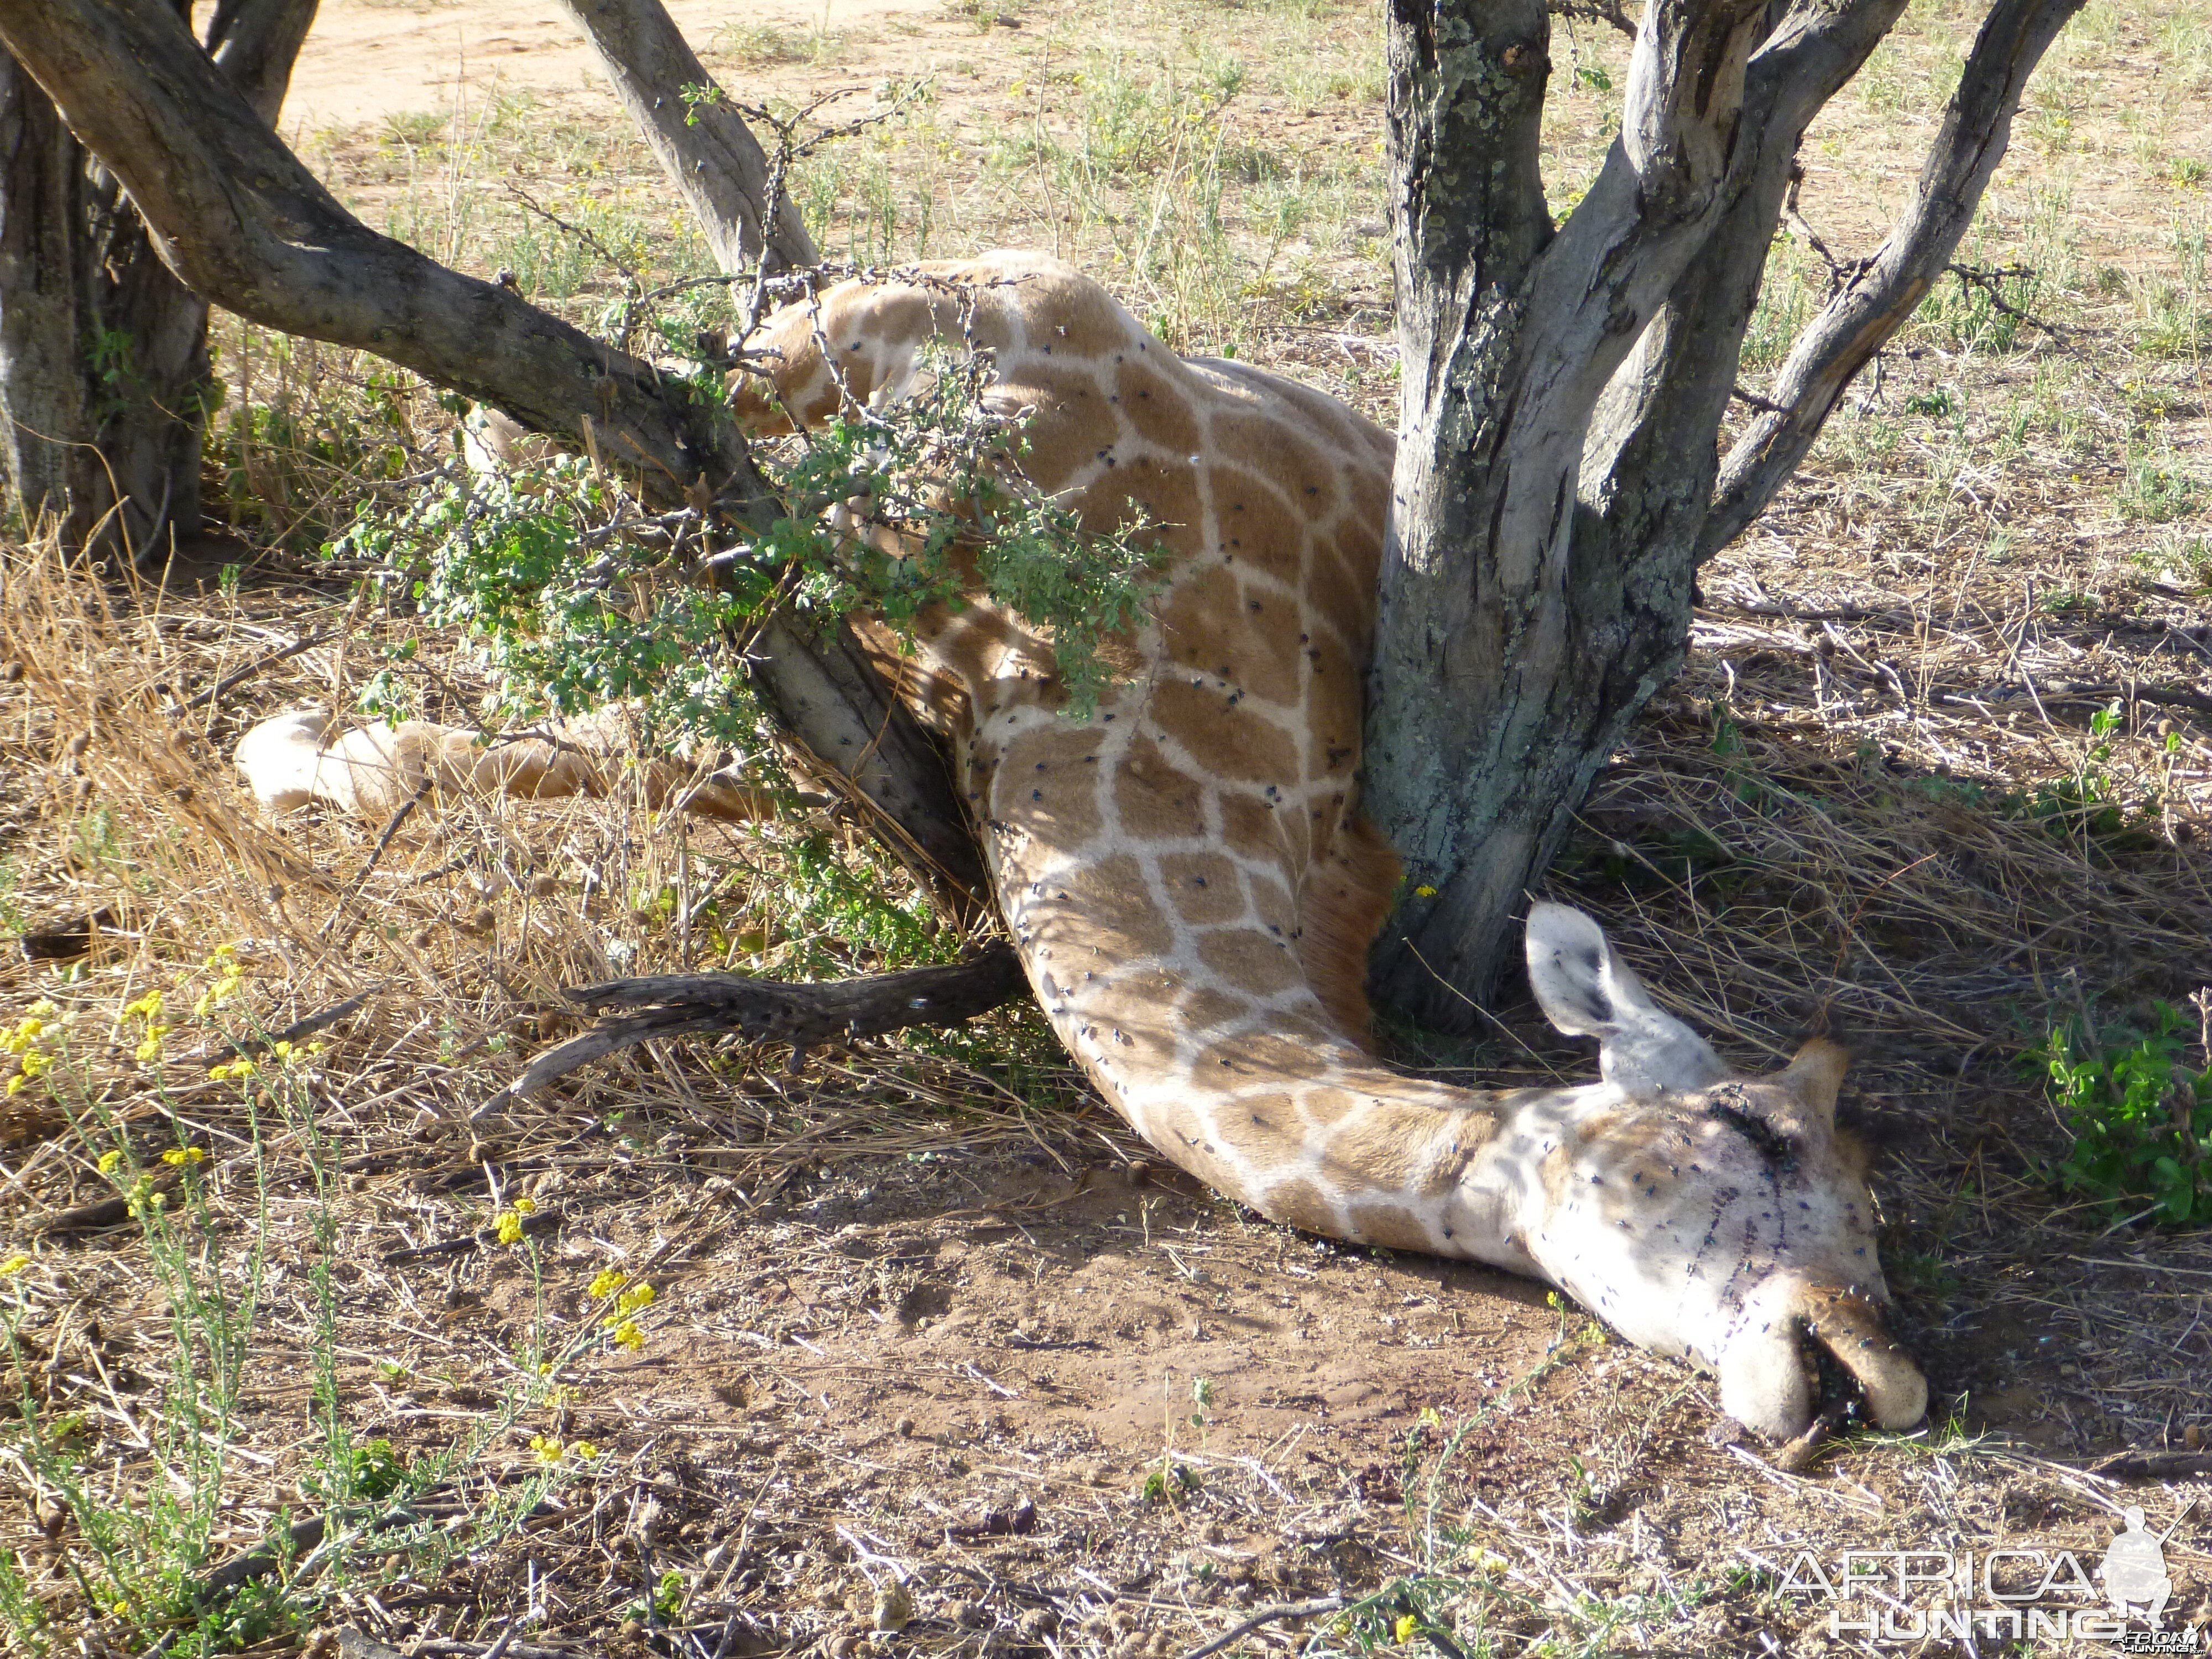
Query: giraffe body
pixel 1193 892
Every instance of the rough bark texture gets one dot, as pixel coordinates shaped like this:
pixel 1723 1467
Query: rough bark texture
pixel 774 1011
pixel 1558 475
pixel 104 381
pixel 704 145
pixel 238 216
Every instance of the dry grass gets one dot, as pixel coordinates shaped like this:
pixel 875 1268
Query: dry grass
pixel 919 1282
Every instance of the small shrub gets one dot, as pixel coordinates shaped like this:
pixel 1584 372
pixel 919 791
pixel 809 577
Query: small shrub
pixel 2141 1117
pixel 2157 487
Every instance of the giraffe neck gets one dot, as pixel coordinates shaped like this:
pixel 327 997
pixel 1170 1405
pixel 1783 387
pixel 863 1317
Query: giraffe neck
pixel 1171 968
pixel 1184 871
pixel 1193 894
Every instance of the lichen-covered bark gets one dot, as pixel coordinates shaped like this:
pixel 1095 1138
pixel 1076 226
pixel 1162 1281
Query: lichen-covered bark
pixel 104 381
pixel 1499 657
pixel 1558 476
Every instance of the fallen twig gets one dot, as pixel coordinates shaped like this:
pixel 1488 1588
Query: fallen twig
pixel 105 1211
pixel 65 941
pixel 344 908
pixel 291 1033
pixel 689 1004
pixel 1269 1615
pixel 240 676
pixel 2133 1465
pixel 533 1226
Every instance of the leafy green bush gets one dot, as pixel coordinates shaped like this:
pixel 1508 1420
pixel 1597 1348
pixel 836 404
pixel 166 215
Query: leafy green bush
pixel 2141 1117
pixel 579 597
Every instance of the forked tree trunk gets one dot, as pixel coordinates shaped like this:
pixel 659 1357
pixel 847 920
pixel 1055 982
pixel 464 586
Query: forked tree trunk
pixel 104 381
pixel 1558 475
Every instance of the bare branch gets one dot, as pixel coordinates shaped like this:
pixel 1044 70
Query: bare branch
pixel 1649 462
pixel 255 43
pixel 1611 13
pixel 702 142
pixel 241 220
pixel 1988 281
pixel 772 1010
pixel 1857 323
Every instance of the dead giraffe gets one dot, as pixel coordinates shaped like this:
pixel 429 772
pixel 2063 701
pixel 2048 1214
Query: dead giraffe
pixel 1193 891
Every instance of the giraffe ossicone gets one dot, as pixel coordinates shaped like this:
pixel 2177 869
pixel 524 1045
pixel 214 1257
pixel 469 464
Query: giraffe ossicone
pixel 1193 891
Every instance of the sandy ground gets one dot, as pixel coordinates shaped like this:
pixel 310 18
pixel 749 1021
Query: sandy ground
pixel 366 60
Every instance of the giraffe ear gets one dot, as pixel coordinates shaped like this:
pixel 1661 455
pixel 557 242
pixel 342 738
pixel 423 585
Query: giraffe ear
pixel 1816 1076
pixel 1587 990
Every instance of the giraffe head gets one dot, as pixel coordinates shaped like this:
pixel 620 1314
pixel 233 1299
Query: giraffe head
pixel 1704 1213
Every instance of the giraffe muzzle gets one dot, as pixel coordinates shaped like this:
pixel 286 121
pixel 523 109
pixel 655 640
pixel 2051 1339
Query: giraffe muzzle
pixel 1768 1380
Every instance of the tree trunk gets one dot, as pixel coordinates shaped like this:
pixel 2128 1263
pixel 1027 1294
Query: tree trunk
pixel 104 381
pixel 703 143
pixel 1557 478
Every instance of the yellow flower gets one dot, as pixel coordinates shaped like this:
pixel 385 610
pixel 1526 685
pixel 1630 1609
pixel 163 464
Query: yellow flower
pixel 525 1206
pixel 16 1084
pixel 14 1265
pixel 627 1335
pixel 1407 1625
pixel 224 957
pixel 35 1064
pixel 42 1009
pixel 317 1047
pixel 146 1007
pixel 31 1029
pixel 583 1449
pixel 637 1297
pixel 184 1155
pixel 510 1228
pixel 549 1451
pixel 147 1052
pixel 108 1160
pixel 609 1282
pixel 281 1050
pixel 1424 891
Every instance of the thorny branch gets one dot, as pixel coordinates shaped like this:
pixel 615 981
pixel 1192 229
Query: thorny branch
pixel 1611 13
